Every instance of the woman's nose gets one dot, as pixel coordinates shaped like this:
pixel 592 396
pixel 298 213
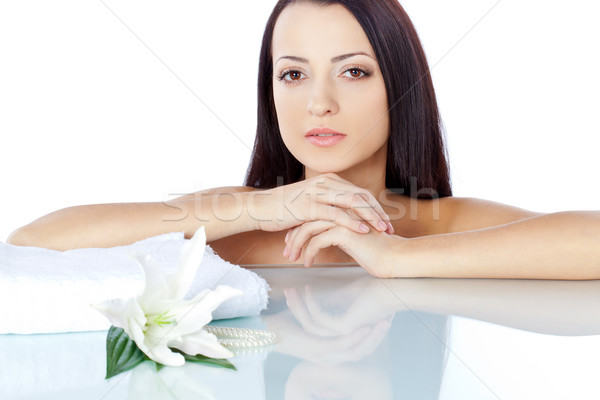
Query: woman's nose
pixel 322 101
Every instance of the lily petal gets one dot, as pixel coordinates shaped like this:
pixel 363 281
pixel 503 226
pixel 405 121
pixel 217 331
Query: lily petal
pixel 123 313
pixel 204 343
pixel 193 314
pixel 162 333
pixel 190 258
pixel 156 286
pixel 160 353
pixel 155 344
pixel 160 318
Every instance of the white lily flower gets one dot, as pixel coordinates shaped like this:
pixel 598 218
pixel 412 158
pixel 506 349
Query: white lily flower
pixel 160 318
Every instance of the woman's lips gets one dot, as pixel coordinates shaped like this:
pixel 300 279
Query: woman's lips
pixel 332 137
pixel 325 141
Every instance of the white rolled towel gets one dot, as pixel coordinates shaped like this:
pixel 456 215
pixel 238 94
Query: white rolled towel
pixel 48 291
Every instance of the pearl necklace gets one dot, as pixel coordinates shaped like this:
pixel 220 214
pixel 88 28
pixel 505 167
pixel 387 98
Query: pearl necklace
pixel 242 338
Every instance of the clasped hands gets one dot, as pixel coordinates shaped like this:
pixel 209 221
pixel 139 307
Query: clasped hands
pixel 334 323
pixel 329 211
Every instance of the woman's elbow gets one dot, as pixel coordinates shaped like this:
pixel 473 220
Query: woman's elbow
pixel 28 236
pixel 20 237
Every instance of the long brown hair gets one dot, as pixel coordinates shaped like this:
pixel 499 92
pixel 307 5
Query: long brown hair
pixel 417 162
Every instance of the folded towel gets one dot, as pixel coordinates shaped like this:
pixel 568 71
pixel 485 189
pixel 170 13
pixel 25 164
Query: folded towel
pixel 47 291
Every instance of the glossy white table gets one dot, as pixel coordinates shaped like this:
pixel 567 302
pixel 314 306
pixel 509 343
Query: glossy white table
pixel 345 335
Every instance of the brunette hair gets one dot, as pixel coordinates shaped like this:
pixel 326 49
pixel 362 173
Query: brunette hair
pixel 416 156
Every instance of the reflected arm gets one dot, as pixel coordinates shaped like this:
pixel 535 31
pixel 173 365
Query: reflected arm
pixel 548 307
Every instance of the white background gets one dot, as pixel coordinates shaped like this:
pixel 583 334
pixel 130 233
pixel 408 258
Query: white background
pixel 142 100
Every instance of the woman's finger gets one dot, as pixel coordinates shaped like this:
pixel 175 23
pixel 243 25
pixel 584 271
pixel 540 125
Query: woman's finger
pixel 348 193
pixel 294 249
pixel 330 237
pixel 309 238
pixel 368 345
pixel 342 216
pixel 303 234
pixel 332 322
pixel 362 203
pixel 289 239
pixel 297 237
pixel 299 311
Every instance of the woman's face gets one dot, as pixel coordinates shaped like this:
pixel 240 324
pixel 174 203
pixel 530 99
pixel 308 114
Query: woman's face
pixel 319 81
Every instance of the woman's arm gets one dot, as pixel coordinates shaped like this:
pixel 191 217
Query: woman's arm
pixel 564 245
pixel 465 238
pixel 223 212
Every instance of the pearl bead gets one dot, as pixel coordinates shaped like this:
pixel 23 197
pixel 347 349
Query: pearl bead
pixel 242 338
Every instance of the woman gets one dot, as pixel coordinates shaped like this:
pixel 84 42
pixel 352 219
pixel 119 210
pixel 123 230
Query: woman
pixel 355 70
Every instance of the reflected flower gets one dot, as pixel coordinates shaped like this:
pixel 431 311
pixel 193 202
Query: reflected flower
pixel 168 383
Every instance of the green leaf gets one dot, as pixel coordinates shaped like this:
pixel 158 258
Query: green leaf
pixel 159 366
pixel 218 362
pixel 122 354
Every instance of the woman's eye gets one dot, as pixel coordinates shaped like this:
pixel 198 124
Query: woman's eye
pixel 355 72
pixel 294 76
pixel 291 77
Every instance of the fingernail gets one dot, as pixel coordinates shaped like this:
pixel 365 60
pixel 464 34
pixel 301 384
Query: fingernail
pixel 285 251
pixel 382 225
pixel 363 228
pixel 391 228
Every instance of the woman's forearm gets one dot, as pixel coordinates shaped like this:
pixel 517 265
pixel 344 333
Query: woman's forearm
pixel 106 225
pixel 563 245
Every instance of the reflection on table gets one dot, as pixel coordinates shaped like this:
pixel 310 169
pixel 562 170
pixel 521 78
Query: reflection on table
pixel 343 334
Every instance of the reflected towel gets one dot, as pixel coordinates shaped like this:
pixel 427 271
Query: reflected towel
pixel 73 366
pixel 48 291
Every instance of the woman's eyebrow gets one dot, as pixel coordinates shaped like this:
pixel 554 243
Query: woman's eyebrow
pixel 333 60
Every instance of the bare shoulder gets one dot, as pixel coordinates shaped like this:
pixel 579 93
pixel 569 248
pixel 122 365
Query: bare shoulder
pixel 466 213
pixel 419 217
